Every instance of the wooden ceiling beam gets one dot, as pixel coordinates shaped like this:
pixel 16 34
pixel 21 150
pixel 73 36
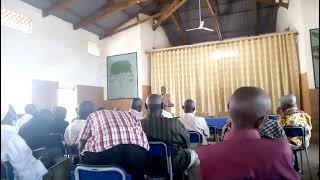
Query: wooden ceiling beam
pixel 105 11
pixel 172 8
pixel 179 29
pixel 118 29
pixel 56 6
pixel 212 4
pixel 274 2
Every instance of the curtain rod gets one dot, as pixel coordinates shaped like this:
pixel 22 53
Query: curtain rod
pixel 220 42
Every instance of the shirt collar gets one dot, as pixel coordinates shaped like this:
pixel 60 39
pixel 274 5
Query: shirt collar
pixel 249 134
pixel 188 114
pixel 134 111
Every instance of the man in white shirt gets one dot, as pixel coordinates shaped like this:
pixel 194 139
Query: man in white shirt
pixel 30 111
pixel 15 150
pixel 136 108
pixel 73 130
pixel 194 123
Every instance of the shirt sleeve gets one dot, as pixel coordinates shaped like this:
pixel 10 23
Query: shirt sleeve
pixel 25 166
pixel 204 127
pixel 85 133
pixel 67 136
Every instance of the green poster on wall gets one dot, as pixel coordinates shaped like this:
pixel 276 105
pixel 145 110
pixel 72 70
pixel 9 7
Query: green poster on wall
pixel 122 75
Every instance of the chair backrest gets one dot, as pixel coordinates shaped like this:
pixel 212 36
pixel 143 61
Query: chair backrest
pixel 160 150
pixel 89 172
pixel 217 122
pixel 296 131
pixel 9 170
pixel 274 117
pixel 195 137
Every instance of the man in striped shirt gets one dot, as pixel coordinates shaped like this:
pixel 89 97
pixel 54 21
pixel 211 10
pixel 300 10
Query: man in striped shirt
pixel 114 138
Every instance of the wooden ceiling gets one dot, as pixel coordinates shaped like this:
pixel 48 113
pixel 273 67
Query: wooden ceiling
pixel 229 18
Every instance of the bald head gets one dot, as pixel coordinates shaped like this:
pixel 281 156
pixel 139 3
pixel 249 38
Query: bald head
pixel 136 104
pixel 248 107
pixel 188 106
pixel 154 105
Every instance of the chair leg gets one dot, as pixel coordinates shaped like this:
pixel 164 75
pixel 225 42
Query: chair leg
pixel 301 160
pixel 307 156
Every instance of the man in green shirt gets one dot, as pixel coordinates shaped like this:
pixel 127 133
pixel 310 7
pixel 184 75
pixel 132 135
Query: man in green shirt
pixel 170 131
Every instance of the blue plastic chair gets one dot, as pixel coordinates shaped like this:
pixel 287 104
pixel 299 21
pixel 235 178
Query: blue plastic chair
pixel 89 172
pixel 161 150
pixel 216 123
pixel 195 137
pixel 9 170
pixel 299 131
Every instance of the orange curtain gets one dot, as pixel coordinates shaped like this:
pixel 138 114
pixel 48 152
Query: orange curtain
pixel 209 73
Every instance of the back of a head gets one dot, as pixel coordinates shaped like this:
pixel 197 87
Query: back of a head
pixel 45 114
pixel 59 113
pixel 137 104
pixel 85 109
pixel 154 105
pixel 188 106
pixel 31 109
pixel 248 107
pixel 288 101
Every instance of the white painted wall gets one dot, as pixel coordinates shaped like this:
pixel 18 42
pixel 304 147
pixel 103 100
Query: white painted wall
pixel 136 39
pixel 301 17
pixel 53 51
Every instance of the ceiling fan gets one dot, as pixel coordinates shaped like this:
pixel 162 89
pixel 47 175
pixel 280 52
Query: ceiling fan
pixel 201 27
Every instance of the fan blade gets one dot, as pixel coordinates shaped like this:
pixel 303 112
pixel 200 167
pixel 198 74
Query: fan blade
pixel 192 29
pixel 207 29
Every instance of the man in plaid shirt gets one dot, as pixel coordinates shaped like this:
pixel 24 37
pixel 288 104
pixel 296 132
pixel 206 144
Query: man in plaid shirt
pixel 114 138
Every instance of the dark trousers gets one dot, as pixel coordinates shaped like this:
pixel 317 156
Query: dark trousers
pixel 132 158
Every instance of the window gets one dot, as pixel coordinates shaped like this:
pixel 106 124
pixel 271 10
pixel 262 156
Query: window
pixel 67 98
pixel 16 21
pixel 93 48
pixel 16 91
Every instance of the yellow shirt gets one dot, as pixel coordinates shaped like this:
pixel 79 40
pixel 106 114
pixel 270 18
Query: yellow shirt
pixel 293 117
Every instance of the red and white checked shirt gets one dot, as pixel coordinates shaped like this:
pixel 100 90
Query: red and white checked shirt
pixel 106 129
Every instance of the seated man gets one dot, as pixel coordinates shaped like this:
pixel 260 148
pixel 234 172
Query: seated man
pixel 31 111
pixel 114 138
pixel 59 124
pixel 73 130
pixel 290 115
pixel 136 108
pixel 243 154
pixel 194 123
pixel 15 150
pixel 171 132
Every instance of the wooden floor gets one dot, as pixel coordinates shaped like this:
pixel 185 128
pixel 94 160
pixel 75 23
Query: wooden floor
pixel 314 162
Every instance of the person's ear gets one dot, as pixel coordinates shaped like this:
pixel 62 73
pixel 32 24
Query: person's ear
pixel 182 106
pixel 162 106
pixel 193 109
pixel 146 106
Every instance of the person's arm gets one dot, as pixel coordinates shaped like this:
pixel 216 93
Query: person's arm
pixel 205 127
pixel 67 136
pixel 25 165
pixel 170 103
pixel 183 133
pixel 85 134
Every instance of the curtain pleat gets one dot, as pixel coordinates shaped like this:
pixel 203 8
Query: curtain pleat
pixel 209 74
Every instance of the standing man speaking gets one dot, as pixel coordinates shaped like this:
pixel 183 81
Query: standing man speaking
pixel 166 99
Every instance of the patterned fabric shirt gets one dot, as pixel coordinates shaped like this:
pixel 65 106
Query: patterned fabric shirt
pixel 270 129
pixel 106 129
pixel 295 117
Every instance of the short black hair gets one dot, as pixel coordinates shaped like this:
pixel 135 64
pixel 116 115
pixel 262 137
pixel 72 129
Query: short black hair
pixel 85 109
pixel 59 113
pixel 31 109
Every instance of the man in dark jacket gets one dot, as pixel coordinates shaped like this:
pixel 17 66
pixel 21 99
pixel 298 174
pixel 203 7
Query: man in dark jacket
pixel 170 131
